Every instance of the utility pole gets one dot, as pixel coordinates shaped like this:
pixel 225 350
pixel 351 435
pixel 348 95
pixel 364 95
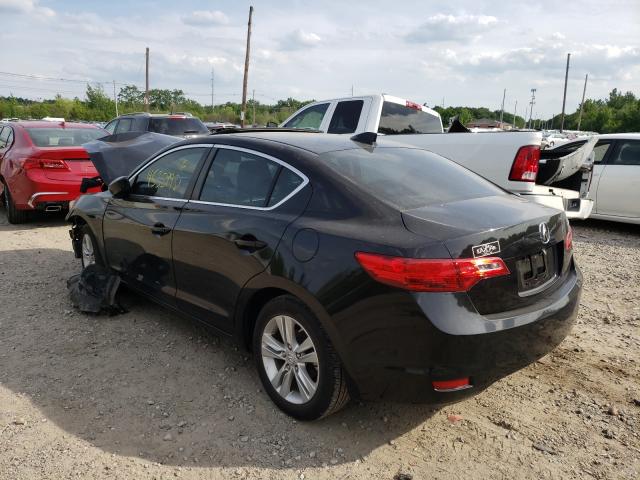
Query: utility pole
pixel 246 70
pixel 146 76
pixel 254 107
pixel 504 94
pixel 584 90
pixel 515 109
pixel 564 97
pixel 212 86
pixel 115 98
pixel 532 103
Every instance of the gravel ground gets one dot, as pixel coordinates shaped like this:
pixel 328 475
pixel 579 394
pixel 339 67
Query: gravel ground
pixel 148 395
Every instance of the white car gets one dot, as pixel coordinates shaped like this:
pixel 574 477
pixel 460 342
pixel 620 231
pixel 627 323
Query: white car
pixel 615 186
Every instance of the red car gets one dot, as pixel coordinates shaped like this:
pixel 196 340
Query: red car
pixel 42 165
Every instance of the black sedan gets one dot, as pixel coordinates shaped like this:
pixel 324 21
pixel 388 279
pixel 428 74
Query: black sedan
pixel 350 267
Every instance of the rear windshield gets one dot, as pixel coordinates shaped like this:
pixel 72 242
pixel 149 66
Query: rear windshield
pixel 177 126
pixel 409 178
pixel 63 137
pixel 399 119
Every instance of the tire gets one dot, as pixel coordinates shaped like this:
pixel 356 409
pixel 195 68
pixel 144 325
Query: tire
pixel 14 215
pixel 86 235
pixel 289 376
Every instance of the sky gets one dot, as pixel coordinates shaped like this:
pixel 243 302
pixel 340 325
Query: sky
pixel 452 53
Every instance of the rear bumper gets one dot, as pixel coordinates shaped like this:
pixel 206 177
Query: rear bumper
pixel 36 192
pixel 568 201
pixel 449 340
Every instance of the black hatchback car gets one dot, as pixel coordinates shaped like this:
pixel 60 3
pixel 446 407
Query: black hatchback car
pixel 348 268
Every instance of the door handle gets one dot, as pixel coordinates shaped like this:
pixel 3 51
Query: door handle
pixel 249 243
pixel 160 229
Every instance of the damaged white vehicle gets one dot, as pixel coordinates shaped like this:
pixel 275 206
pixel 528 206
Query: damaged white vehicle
pixel 511 159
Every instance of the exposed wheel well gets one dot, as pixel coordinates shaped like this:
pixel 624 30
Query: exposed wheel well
pixel 252 309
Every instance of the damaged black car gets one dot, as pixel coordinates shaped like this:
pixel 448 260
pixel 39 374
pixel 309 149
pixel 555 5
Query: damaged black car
pixel 350 267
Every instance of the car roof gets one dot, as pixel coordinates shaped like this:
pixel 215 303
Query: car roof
pixel 618 136
pixel 314 142
pixel 51 124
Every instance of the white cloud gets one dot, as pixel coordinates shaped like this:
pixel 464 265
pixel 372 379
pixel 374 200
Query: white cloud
pixel 299 39
pixel 205 18
pixel 29 7
pixel 446 28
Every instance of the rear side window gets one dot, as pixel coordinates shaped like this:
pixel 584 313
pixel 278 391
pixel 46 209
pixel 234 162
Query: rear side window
pixel 310 118
pixel 239 178
pixel 628 154
pixel 408 178
pixel 346 116
pixel 170 175
pixel 285 185
pixel 63 137
pixel 399 119
pixel 177 126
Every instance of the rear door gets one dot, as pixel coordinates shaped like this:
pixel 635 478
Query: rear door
pixel 138 229
pixel 618 193
pixel 229 231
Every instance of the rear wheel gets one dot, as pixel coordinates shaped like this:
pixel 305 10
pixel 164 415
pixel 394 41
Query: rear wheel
pixel 14 215
pixel 90 254
pixel 296 362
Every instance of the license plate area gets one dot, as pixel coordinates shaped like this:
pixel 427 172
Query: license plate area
pixel 535 271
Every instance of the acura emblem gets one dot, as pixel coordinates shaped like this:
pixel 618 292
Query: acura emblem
pixel 545 234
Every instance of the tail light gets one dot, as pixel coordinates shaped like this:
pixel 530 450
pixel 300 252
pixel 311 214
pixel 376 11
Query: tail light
pixel 45 163
pixel 525 165
pixel 451 385
pixel 568 239
pixel 431 275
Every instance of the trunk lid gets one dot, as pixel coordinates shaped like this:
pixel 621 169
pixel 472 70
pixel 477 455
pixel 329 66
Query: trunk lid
pixel 75 158
pixel 529 238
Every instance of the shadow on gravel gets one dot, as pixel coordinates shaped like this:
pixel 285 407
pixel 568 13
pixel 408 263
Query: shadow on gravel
pixel 585 229
pixel 152 385
pixel 36 220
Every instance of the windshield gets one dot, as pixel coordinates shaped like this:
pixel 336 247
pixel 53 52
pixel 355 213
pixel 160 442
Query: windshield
pixel 63 137
pixel 409 178
pixel 399 119
pixel 177 125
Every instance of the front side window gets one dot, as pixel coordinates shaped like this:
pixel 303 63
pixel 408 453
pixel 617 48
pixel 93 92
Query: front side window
pixel 4 136
pixel 124 125
pixel 397 119
pixel 310 118
pixel 170 175
pixel 628 153
pixel 111 126
pixel 346 116
pixel 239 178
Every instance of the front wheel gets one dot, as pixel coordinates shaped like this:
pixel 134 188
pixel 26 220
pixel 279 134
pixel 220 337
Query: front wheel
pixel 89 248
pixel 296 362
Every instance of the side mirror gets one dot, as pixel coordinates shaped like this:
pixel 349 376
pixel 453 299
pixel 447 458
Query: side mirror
pixel 272 125
pixel 120 187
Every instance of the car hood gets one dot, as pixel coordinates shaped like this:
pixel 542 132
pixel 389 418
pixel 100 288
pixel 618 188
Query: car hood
pixel 118 155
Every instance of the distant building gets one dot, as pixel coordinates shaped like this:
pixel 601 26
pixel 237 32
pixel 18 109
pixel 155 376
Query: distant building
pixel 489 123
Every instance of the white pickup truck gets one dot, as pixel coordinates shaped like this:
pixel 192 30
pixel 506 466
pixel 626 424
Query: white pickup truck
pixel 510 159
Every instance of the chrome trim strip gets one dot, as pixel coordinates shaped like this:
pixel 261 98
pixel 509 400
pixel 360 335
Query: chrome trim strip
pixel 455 389
pixel 182 147
pixel 39 194
pixel 305 180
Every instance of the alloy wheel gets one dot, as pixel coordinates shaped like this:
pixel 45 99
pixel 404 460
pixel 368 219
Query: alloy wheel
pixel 88 252
pixel 290 359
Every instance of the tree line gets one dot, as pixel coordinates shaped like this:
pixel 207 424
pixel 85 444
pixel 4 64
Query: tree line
pixel 619 112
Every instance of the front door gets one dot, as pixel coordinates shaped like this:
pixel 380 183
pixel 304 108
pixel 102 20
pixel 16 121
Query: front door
pixel 138 229
pixel 229 232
